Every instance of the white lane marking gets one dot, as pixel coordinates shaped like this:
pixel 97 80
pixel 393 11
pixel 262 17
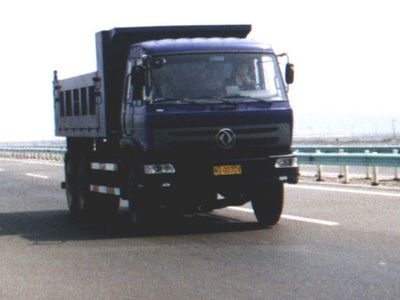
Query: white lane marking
pixel 290 217
pixel 309 220
pixel 37 176
pixel 342 190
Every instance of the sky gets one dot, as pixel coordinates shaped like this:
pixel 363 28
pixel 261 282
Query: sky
pixel 346 55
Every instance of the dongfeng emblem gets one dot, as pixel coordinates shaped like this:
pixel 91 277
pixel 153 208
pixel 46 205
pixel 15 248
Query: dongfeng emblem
pixel 226 138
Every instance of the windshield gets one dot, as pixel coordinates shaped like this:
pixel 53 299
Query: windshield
pixel 234 76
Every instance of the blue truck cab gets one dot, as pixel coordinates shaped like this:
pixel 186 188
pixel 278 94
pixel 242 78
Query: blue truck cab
pixel 195 118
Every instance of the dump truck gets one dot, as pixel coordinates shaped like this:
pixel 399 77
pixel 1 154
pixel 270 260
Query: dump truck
pixel 177 119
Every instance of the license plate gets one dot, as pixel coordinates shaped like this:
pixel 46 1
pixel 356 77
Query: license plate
pixel 227 170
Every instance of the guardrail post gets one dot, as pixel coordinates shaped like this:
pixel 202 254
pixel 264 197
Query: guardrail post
pixel 320 176
pixel 342 167
pixel 396 169
pixel 346 174
pixel 368 168
pixel 375 180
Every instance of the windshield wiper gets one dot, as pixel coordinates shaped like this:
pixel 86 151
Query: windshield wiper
pixel 269 99
pixel 159 100
pixel 213 99
pixel 180 100
pixel 248 98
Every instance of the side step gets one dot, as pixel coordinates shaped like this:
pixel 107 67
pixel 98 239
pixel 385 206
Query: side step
pixel 104 166
pixel 115 191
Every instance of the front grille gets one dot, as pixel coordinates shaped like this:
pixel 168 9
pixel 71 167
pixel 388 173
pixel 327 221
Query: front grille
pixel 248 136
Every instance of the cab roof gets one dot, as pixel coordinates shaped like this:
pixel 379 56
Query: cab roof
pixel 199 45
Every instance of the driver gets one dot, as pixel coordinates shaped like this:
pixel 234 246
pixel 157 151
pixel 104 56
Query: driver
pixel 242 77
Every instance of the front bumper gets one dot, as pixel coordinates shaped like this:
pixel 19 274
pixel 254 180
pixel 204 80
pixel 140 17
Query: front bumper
pixel 199 175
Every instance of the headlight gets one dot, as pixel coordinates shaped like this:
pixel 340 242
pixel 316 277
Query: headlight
pixel 159 169
pixel 286 162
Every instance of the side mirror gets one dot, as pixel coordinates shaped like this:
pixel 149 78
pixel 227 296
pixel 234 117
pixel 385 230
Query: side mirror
pixel 138 81
pixel 289 73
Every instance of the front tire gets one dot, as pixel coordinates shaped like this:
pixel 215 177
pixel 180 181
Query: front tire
pixel 268 204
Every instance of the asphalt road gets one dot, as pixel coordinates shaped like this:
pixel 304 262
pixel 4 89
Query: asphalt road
pixel 333 242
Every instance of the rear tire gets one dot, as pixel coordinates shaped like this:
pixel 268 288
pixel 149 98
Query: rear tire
pixel 94 205
pixel 83 203
pixel 268 204
pixel 71 189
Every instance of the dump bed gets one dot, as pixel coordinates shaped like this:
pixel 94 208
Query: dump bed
pixel 89 105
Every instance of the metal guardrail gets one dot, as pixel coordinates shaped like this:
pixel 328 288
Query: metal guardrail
pixel 389 157
pixel 346 149
pixel 44 153
pixel 350 159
